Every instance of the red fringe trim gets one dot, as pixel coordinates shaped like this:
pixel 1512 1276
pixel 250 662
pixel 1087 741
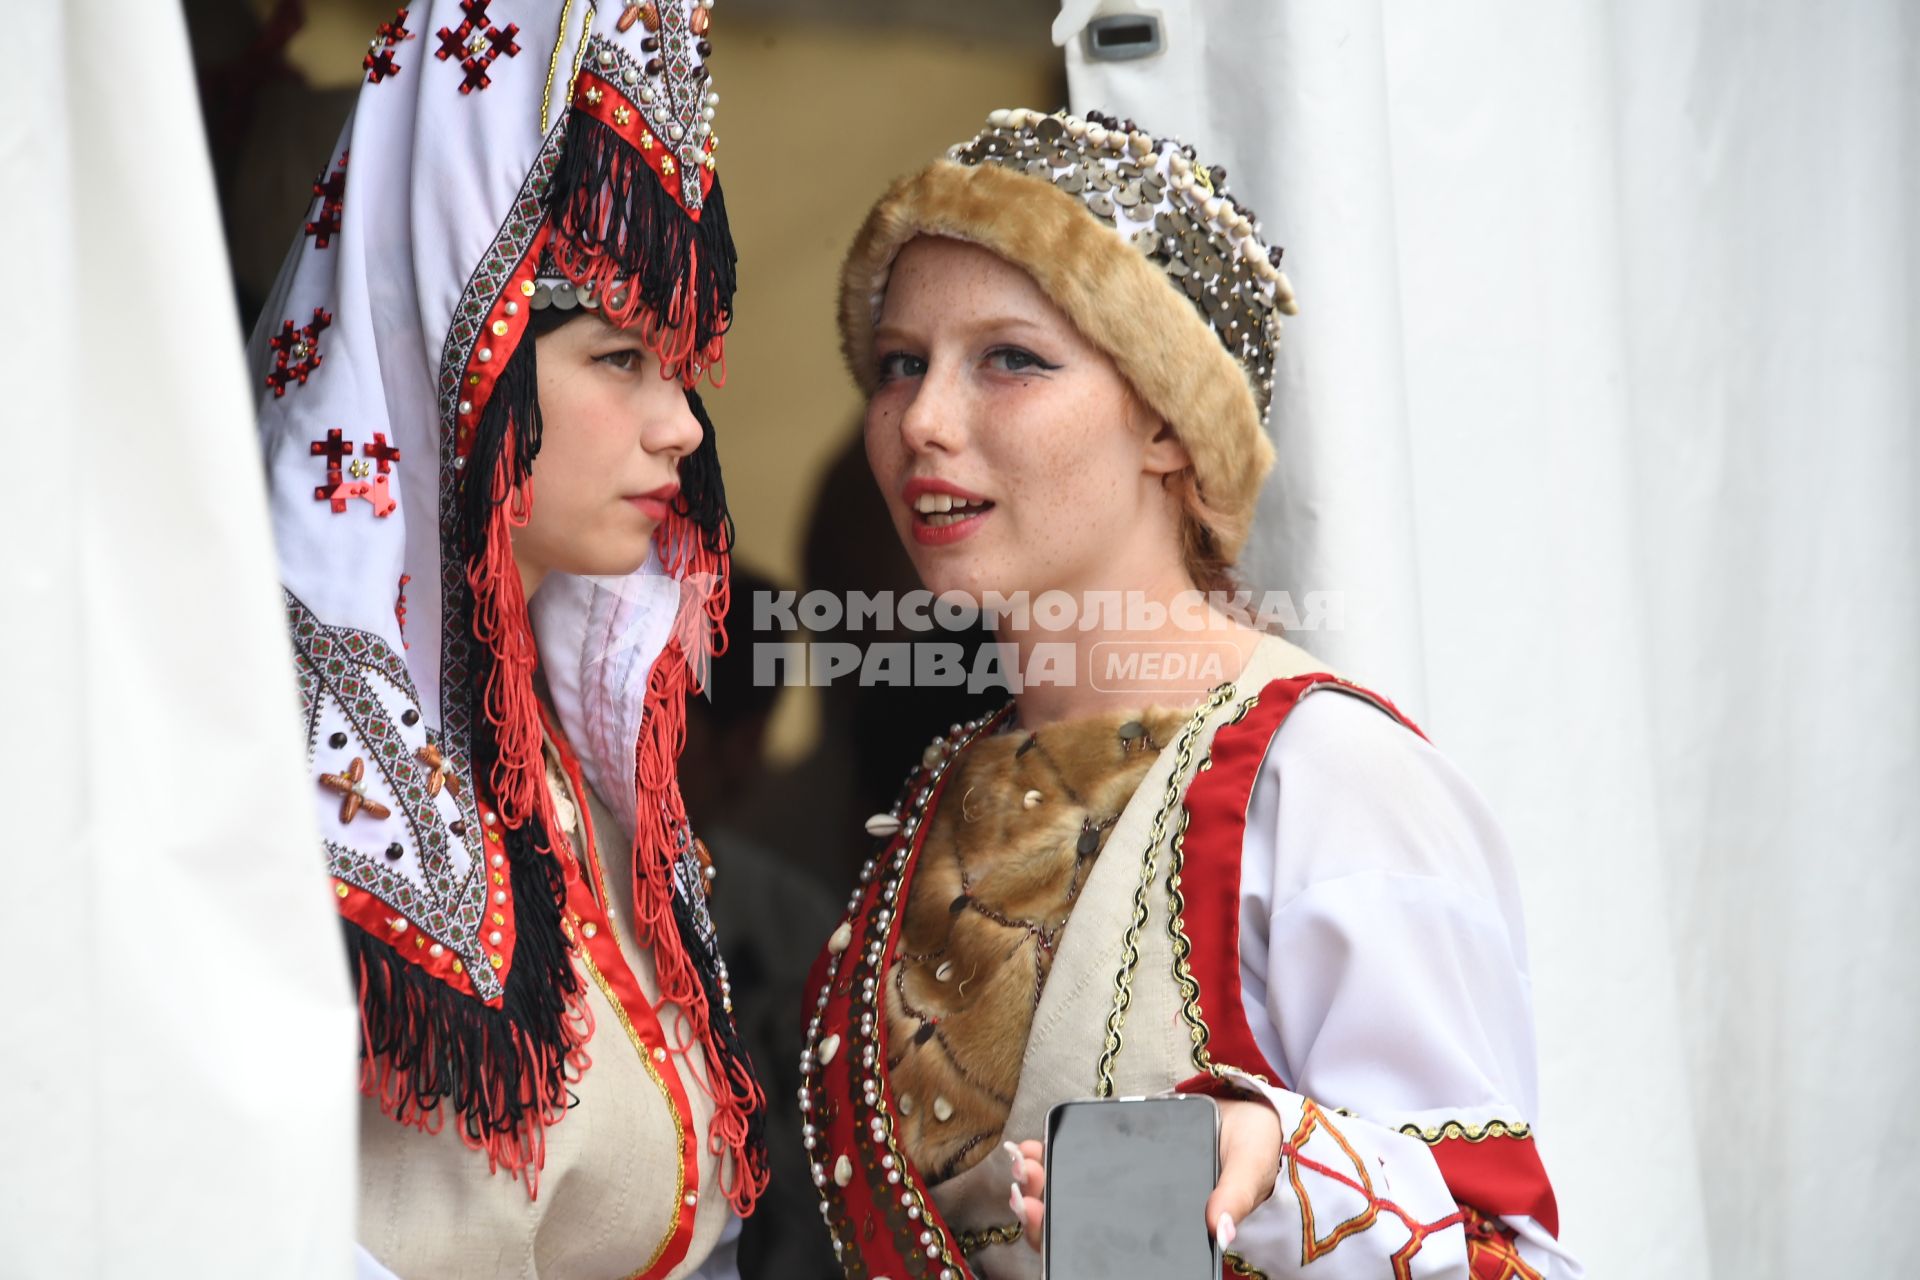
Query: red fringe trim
pixel 501 623
pixel 661 815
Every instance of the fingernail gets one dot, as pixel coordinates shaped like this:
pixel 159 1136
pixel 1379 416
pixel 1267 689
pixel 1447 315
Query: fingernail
pixel 1019 1203
pixel 1223 1231
pixel 1019 1161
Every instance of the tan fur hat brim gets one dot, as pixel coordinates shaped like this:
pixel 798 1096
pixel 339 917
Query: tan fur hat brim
pixel 1118 299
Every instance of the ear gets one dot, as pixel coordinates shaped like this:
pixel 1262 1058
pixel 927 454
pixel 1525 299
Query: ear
pixel 1163 453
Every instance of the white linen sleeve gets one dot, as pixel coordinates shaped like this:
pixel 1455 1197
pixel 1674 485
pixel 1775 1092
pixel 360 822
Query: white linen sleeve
pixel 1383 972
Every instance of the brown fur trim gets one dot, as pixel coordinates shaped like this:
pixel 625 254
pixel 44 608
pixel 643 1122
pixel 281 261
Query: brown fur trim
pixel 963 988
pixel 1118 299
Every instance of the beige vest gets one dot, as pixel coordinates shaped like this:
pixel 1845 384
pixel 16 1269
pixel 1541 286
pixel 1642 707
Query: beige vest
pixel 1065 1051
pixel 612 1185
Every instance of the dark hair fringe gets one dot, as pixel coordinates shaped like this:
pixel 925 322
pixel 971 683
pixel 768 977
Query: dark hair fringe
pixel 458 1048
pixel 703 495
pixel 606 200
pixel 516 398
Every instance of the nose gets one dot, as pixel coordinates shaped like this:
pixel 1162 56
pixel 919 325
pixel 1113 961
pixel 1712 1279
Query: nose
pixel 929 420
pixel 675 431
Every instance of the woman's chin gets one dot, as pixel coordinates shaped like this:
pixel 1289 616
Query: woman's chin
pixel 964 575
pixel 615 557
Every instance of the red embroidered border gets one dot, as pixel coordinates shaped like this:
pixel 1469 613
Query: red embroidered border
pixel 602 99
pixel 591 928
pixel 880 1236
pixel 1501 1175
pixel 500 336
pixel 1216 804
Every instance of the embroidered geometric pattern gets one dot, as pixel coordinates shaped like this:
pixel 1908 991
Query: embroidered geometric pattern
pixel 675 111
pixel 476 48
pixel 333 449
pixel 331 191
pixel 1491 1251
pixel 341 665
pixel 296 352
pixel 379 61
pixel 476 301
pixel 1314 1246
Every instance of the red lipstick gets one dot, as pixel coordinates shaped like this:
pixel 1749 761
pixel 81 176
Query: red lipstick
pixel 657 504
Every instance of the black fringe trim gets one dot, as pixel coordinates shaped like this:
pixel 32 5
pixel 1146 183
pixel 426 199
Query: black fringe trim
pixel 725 1039
pixel 456 1047
pixel 703 496
pixel 444 1044
pixel 515 401
pixel 607 200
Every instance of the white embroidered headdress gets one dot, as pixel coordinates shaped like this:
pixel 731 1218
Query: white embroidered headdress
pixel 505 156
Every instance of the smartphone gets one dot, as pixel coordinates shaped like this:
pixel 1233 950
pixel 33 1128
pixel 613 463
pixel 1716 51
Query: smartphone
pixel 1127 1187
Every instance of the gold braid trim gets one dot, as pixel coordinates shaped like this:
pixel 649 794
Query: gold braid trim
pixel 1197 1028
pixel 1239 1266
pixel 1130 946
pixel 1457 1131
pixel 972 1242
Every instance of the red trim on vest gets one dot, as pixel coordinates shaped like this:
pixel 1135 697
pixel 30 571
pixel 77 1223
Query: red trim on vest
pixel 1216 804
pixel 586 896
pixel 1500 1176
pixel 867 1214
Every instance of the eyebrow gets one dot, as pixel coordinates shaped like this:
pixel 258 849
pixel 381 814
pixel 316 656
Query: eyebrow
pixel 895 331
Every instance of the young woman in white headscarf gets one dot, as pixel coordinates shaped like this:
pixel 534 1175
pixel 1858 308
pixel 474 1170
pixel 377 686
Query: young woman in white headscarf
pixel 503 540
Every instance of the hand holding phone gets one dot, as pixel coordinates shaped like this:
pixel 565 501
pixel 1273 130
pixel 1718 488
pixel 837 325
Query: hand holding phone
pixel 1127 1186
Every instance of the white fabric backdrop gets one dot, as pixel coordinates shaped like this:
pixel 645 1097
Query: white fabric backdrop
pixel 1601 411
pixel 178 1041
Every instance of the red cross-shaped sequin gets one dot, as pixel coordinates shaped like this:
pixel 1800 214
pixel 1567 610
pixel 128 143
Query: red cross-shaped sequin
pixel 296 352
pixel 379 60
pixel 462 43
pixel 382 451
pixel 331 190
pixel 334 448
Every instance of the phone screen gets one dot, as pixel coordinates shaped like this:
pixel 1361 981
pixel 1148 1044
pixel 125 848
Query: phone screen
pixel 1127 1188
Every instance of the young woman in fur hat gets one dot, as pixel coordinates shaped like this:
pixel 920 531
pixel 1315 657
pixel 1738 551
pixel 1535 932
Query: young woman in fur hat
pixel 504 543
pixel 1257 880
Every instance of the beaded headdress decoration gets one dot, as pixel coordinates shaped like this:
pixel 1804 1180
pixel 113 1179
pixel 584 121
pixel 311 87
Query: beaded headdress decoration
pixel 1169 206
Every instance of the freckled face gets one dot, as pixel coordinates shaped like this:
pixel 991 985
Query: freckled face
pixel 613 431
pixel 1012 453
